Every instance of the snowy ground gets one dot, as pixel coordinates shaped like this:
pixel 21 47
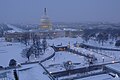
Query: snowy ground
pixel 27 72
pixel 61 57
pixel 48 52
pixel 56 63
pixel 64 41
pixel 34 72
pixel 105 45
pixel 10 51
pixel 6 75
pixel 97 55
pixel 111 55
pixel 15 29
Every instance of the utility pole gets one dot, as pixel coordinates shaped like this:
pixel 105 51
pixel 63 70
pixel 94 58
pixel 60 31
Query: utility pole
pixel 15 74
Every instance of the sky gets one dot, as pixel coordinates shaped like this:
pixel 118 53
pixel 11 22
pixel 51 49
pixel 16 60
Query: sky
pixel 31 11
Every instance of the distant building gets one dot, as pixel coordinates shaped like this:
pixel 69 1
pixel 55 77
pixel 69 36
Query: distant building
pixel 45 30
pixel 45 22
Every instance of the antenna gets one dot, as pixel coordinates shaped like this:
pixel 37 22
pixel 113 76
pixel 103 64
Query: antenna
pixel 45 11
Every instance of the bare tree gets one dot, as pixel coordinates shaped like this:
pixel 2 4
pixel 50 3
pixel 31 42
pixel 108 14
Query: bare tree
pixel 44 44
pixel 26 53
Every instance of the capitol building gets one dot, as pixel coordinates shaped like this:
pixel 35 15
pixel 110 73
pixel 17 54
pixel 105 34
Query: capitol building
pixel 45 30
pixel 45 22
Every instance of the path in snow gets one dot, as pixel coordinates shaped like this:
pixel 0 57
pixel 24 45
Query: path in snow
pixel 15 29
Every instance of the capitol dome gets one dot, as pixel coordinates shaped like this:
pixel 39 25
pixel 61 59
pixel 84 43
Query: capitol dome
pixel 45 22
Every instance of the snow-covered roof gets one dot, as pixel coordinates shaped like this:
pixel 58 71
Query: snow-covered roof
pixel 34 72
pixel 99 77
pixel 115 66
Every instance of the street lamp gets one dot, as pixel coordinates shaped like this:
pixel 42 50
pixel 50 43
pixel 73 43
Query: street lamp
pixel 113 61
pixel 103 59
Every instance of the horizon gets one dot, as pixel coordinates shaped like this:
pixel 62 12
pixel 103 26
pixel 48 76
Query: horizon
pixel 30 12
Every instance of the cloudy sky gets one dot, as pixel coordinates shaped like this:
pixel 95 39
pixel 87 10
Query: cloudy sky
pixel 30 11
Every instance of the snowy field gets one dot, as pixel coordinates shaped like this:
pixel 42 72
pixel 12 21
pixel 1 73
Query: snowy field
pixel 111 55
pixel 34 72
pixel 105 45
pixel 61 57
pixel 97 55
pixel 66 40
pixel 48 52
pixel 10 51
pixel 27 72
pixel 15 29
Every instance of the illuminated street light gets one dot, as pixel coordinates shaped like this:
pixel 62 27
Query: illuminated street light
pixel 113 61
pixel 103 59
